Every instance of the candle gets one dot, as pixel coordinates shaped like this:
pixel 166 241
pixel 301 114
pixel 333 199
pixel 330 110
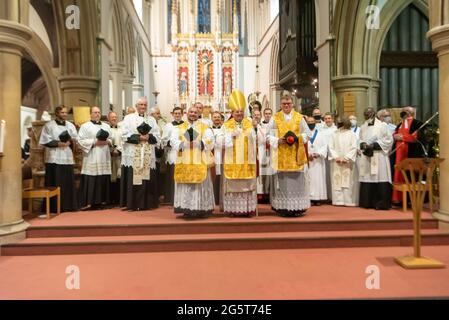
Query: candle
pixel 2 134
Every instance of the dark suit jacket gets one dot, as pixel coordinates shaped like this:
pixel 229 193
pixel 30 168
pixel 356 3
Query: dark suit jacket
pixel 415 150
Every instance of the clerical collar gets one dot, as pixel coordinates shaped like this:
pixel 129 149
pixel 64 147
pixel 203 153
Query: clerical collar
pixel 95 122
pixel 60 122
pixel 265 122
pixel 177 123
pixel 216 127
pixel 142 115
pixel 114 127
pixel 371 122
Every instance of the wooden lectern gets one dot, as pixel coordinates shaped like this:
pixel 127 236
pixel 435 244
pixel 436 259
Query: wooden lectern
pixel 414 171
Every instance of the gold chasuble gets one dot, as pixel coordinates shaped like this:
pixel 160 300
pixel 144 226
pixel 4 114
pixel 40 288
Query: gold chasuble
pixel 289 158
pixel 240 160
pixel 192 163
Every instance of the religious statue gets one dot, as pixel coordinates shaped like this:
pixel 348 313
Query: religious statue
pixel 206 62
pixel 227 83
pixel 227 56
pixel 183 84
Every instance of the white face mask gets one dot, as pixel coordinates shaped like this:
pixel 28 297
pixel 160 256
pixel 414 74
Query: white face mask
pixel 387 120
pixel 353 123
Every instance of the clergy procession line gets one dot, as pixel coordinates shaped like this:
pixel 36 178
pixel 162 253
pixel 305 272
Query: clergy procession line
pixel 289 159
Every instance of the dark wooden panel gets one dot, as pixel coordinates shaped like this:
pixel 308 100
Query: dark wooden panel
pixel 408 59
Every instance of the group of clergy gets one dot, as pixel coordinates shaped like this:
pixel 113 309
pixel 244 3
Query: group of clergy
pixel 292 161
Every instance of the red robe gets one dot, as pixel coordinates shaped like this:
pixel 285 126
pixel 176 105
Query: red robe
pixel 402 153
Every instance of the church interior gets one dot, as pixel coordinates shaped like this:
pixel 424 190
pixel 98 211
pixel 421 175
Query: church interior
pixel 338 56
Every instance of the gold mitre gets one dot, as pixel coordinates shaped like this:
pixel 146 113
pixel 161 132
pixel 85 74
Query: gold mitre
pixel 237 101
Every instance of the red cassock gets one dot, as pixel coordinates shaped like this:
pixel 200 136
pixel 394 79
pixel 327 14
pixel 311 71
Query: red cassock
pixel 402 153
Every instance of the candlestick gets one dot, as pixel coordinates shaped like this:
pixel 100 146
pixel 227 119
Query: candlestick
pixel 2 135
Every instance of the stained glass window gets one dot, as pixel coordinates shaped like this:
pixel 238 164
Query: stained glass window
pixel 204 16
pixel 169 19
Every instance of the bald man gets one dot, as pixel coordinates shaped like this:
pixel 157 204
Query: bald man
pixel 138 188
pixel 375 173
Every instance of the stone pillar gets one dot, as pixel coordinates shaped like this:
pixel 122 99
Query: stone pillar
pixel 138 91
pixel 439 35
pixel 128 88
pixel 117 70
pixel 77 87
pixel 13 36
pixel 12 225
pixel 358 86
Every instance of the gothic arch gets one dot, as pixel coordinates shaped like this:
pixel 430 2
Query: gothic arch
pixel 138 64
pixel 357 48
pixel 117 34
pixel 33 45
pixel 129 48
pixel 274 60
pixel 78 53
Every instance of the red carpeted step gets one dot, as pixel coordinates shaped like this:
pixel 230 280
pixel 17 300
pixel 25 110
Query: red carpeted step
pixel 212 242
pixel 255 225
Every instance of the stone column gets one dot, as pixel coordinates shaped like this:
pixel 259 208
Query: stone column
pixel 128 88
pixel 439 35
pixel 358 86
pixel 138 91
pixel 78 87
pixel 12 225
pixel 117 70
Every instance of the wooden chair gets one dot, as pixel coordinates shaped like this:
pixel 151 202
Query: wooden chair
pixel 419 187
pixel 30 193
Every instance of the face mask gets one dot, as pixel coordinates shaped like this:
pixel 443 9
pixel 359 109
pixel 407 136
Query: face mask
pixel 403 114
pixel 353 123
pixel 317 118
pixel 312 126
pixel 387 120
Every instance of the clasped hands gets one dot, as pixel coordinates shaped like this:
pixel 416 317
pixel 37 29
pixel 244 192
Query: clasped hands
pixel 63 145
pixel 341 161
pixel 100 143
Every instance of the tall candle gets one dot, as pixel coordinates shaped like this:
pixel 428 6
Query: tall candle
pixel 2 134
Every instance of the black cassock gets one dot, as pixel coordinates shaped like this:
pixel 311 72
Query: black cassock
pixel 138 197
pixel 144 196
pixel 62 176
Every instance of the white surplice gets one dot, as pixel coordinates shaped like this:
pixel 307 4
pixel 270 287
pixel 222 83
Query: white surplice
pixel 96 159
pixel 376 168
pixel 316 172
pixel 116 161
pixel 328 133
pixel 129 128
pixel 345 185
pixel 50 133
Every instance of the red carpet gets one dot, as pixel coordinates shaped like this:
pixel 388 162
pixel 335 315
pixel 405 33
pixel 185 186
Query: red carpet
pixel 272 274
pixel 157 255
pixel 117 231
